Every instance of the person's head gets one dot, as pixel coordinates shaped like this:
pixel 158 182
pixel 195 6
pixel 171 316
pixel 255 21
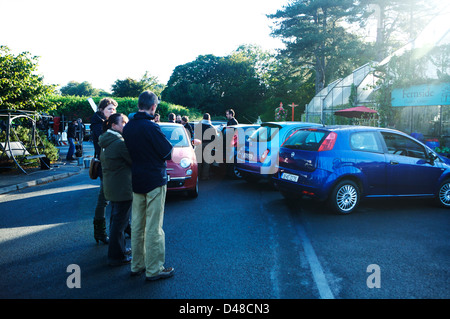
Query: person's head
pixel 207 117
pixel 147 102
pixel 184 119
pixel 229 113
pixel 171 117
pixel 107 106
pixel 157 118
pixel 115 122
pixel 178 118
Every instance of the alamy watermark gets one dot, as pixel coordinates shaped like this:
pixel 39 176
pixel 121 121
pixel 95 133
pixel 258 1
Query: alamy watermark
pixel 374 279
pixel 74 279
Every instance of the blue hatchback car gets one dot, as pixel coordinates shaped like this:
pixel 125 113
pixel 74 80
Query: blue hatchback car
pixel 343 164
pixel 258 158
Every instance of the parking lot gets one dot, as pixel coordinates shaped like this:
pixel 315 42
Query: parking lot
pixel 235 240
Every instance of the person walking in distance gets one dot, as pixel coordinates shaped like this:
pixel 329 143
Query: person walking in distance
pixel 106 108
pixel 116 171
pixel 71 137
pixel 149 149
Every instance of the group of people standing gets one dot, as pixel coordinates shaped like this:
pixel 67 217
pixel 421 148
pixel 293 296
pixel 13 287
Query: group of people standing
pixel 133 178
pixel 133 157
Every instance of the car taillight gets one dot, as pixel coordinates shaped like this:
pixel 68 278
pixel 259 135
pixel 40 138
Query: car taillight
pixel 264 155
pixel 328 143
pixel 234 141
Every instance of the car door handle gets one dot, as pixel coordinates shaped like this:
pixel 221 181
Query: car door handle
pixel 394 163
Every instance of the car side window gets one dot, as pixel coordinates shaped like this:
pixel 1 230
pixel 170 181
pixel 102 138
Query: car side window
pixel 365 141
pixel 401 145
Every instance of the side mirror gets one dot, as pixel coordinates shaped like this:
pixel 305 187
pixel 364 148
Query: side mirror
pixel 196 142
pixel 432 157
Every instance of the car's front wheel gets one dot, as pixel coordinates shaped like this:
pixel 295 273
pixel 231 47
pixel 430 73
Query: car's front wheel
pixel 444 194
pixel 345 197
pixel 194 192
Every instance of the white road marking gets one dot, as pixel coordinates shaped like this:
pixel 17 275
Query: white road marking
pixel 314 264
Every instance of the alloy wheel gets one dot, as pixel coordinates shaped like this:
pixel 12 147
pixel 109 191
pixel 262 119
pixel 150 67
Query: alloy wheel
pixel 346 198
pixel 444 194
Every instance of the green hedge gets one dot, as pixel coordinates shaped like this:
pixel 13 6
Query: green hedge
pixel 73 107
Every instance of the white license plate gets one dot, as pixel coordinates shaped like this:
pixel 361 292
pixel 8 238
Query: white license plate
pixel 289 177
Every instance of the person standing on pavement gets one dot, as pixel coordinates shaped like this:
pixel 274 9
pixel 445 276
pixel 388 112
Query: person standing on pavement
pixel 149 149
pixel 230 117
pixel 106 108
pixel 116 171
pixel 71 137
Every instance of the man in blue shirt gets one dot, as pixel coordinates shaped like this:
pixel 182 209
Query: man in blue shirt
pixel 149 149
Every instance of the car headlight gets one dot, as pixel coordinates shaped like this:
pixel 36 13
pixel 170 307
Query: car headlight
pixel 185 162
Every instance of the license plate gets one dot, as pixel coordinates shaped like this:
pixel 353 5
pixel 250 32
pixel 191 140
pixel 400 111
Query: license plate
pixel 289 177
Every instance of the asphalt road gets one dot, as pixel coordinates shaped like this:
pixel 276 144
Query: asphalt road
pixel 235 241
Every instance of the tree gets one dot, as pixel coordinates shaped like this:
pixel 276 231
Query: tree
pixel 132 88
pixel 79 89
pixel 213 84
pixel 398 21
pixel 20 87
pixel 316 40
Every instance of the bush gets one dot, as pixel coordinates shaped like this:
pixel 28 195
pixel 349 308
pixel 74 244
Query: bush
pixel 73 107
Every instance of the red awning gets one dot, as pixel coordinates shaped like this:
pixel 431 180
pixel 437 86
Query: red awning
pixel 358 111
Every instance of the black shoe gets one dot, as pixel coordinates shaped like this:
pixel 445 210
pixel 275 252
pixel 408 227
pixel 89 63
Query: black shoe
pixel 124 261
pixel 100 231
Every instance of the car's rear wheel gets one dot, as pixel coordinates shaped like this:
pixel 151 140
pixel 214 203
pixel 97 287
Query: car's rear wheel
pixel 444 194
pixel 345 197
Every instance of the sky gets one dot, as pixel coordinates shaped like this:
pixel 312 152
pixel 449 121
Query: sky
pixel 102 41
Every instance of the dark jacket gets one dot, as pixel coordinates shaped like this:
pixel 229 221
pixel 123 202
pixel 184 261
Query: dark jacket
pixel 232 121
pixel 209 132
pixel 96 130
pixel 71 130
pixel 189 129
pixel 116 167
pixel 149 149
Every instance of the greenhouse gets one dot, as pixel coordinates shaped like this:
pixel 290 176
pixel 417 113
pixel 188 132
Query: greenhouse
pixel 422 110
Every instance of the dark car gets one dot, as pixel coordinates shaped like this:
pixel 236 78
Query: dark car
pixel 234 137
pixel 344 164
pixel 259 157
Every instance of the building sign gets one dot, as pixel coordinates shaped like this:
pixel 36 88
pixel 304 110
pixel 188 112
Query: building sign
pixel 422 95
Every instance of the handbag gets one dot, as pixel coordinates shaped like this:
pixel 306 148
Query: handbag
pixel 94 168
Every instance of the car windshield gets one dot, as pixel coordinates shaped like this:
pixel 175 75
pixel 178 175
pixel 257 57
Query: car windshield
pixel 176 135
pixel 307 140
pixel 263 134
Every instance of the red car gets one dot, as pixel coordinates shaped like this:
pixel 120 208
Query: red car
pixel 182 169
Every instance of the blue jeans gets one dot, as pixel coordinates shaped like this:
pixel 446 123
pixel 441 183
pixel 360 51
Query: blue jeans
pixel 120 217
pixel 71 148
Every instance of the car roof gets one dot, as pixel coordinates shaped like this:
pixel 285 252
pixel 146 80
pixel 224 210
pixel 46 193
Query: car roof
pixel 336 128
pixel 286 123
pixel 169 124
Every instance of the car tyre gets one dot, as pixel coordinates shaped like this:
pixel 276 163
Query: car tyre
pixel 443 195
pixel 233 172
pixel 345 197
pixel 194 193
